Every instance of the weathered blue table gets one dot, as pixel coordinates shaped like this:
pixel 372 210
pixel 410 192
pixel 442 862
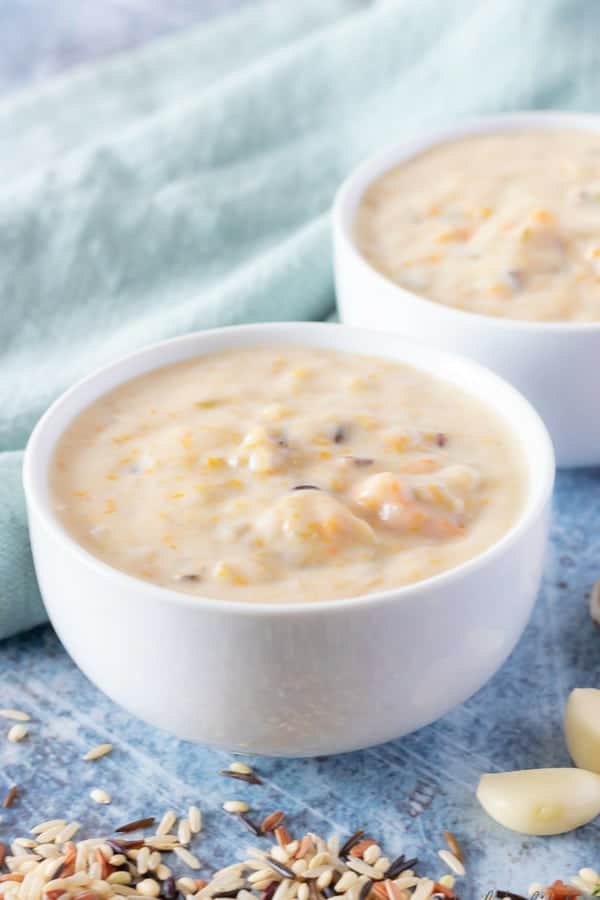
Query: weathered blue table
pixel 409 791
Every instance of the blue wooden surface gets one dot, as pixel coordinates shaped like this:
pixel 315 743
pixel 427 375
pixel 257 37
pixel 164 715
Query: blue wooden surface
pixel 407 792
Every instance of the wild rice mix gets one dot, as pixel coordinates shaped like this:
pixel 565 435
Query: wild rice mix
pixel 47 865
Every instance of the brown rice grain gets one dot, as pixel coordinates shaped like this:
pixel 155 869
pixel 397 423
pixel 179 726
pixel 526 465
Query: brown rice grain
pixel 272 821
pixel 454 846
pixel 283 836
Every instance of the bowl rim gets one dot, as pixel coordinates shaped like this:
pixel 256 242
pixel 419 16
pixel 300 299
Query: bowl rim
pixel 532 505
pixel 374 166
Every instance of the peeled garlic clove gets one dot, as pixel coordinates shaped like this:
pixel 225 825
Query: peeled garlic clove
pixel 594 604
pixel 582 728
pixel 541 801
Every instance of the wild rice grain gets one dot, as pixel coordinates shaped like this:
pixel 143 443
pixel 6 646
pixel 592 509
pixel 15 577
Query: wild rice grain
pixel 249 779
pixel 281 868
pixel 452 862
pixel 17 733
pixel 136 825
pixel 100 796
pixel 169 888
pixel 96 752
pixel 188 858
pixel 166 823
pixel 399 865
pixel 351 842
pixel 365 890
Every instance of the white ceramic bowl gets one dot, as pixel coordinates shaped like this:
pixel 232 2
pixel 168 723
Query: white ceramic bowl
pixel 554 364
pixel 292 680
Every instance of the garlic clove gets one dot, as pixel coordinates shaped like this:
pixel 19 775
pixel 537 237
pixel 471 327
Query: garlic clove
pixel 541 801
pixel 582 728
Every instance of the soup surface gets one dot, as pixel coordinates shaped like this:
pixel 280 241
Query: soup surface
pixel 286 474
pixel 503 224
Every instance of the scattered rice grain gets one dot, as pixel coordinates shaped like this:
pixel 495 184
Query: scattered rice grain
pixel 184 832
pixel 235 806
pixel 166 823
pixel 100 796
pixel 17 715
pixel 69 831
pixel 98 751
pixel 148 887
pixel 452 861
pixel 17 733
pixel 195 819
pixel 188 858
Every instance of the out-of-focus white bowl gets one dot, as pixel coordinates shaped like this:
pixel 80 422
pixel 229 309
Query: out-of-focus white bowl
pixel 555 365
pixel 288 679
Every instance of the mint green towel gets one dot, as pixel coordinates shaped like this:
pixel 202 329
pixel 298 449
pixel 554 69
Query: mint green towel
pixel 188 185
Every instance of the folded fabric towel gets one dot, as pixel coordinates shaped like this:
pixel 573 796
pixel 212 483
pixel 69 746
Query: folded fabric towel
pixel 188 185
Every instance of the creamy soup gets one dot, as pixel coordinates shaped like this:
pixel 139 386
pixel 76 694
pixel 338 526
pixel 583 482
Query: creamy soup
pixel 286 474
pixel 502 224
